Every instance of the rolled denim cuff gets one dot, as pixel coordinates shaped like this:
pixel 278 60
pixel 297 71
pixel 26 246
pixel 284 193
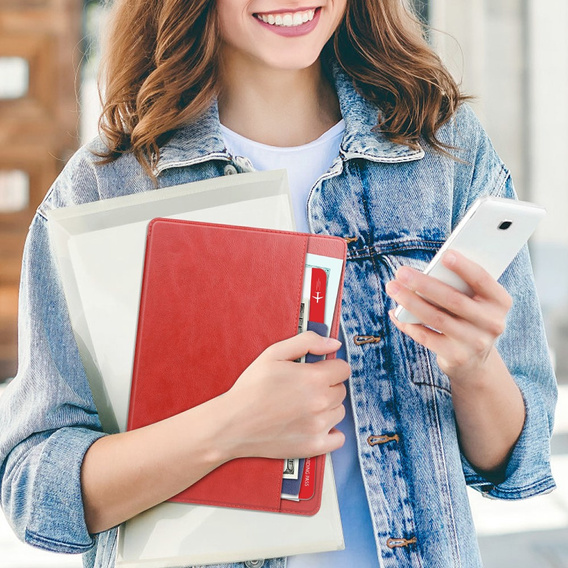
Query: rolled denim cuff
pixel 528 471
pixel 57 521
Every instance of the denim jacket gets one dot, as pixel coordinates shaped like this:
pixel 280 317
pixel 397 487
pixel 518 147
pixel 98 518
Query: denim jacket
pixel 394 206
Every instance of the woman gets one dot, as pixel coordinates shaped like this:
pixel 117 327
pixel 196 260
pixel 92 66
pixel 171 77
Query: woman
pixel 378 143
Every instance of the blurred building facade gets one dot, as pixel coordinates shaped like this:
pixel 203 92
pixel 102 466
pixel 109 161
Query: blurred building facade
pixel 512 55
pixel 39 55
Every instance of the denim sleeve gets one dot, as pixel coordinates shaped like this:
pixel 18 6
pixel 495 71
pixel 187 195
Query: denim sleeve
pixel 47 416
pixel 523 346
pixel 524 349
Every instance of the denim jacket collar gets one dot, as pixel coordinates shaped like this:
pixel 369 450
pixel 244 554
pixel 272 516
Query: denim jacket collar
pixel 202 140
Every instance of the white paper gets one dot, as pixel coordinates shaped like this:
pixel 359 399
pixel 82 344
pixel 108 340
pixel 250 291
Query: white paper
pixel 197 534
pixel 100 250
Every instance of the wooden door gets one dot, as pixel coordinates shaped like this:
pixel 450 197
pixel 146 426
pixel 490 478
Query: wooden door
pixel 39 56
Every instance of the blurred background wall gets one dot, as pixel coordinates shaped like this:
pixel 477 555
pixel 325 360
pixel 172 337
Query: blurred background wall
pixel 511 55
pixel 39 59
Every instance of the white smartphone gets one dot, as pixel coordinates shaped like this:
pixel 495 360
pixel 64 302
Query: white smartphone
pixel 491 233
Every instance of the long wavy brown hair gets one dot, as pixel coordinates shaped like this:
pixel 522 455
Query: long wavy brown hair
pixel 161 72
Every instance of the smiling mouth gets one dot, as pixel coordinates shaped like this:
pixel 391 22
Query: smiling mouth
pixel 288 19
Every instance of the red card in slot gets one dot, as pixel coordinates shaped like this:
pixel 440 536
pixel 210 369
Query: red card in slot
pixel 308 487
pixel 317 296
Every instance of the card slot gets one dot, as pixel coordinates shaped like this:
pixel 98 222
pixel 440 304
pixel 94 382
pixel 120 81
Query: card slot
pixel 320 329
pixel 310 506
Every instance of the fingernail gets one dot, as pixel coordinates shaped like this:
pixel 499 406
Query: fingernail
pixel 393 288
pixel 403 275
pixel 450 258
pixel 332 342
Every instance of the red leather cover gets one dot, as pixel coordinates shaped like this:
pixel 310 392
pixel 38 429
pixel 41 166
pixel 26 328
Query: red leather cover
pixel 213 298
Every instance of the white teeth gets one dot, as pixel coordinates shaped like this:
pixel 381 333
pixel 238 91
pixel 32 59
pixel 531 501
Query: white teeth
pixel 288 20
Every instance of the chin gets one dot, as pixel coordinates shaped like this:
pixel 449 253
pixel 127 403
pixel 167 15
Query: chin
pixel 293 63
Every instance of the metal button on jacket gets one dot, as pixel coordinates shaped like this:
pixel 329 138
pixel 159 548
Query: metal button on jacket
pixel 254 563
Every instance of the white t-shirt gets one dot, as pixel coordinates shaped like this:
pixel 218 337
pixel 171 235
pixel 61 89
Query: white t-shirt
pixel 305 164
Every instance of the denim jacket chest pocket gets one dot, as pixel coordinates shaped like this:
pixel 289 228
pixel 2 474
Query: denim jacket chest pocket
pixel 387 257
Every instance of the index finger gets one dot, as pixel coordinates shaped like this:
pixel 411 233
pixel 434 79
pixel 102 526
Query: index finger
pixel 475 276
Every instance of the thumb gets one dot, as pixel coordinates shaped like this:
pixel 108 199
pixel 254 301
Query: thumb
pixel 297 346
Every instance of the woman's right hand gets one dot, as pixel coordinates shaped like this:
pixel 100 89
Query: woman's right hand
pixel 280 409
pixel 277 408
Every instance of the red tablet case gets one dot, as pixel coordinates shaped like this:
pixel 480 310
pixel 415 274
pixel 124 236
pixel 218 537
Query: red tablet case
pixel 213 298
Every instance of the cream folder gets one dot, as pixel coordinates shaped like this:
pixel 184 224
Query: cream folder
pixel 100 251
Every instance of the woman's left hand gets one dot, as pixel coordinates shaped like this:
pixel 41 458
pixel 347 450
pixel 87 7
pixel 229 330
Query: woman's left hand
pixel 468 327
pixel 488 404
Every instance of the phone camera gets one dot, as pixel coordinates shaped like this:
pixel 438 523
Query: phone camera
pixel 504 225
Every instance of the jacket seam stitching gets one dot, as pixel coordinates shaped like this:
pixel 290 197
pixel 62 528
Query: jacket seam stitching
pixel 368 220
pixel 504 176
pixel 548 480
pixel 433 384
pixel 450 510
pixel 38 538
pixel 369 251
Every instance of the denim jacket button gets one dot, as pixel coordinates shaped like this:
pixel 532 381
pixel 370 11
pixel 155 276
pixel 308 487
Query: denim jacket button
pixel 401 542
pixel 254 563
pixel 230 170
pixel 382 439
pixel 366 339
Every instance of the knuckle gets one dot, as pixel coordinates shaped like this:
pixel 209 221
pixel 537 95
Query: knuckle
pixel 339 441
pixel 507 300
pixel 319 446
pixel 481 344
pixel 311 336
pixel 482 281
pixel 459 359
pixel 319 373
pixel 458 362
pixel 454 302
pixel 319 424
pixel 311 430
pixel 340 370
pixel 345 368
pixel 420 335
pixel 270 351
pixel 439 320
pixel 497 327
pixel 319 404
